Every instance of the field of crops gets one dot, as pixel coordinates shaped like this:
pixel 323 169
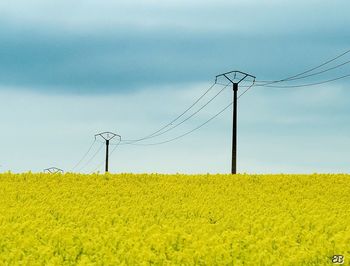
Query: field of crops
pixel 130 219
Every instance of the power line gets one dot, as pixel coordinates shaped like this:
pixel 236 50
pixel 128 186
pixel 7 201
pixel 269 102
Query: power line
pixel 196 128
pixel 82 158
pixel 261 83
pixel 318 73
pixel 246 90
pixel 98 166
pixel 308 84
pixel 304 72
pixel 313 74
pixel 175 119
pixel 268 84
pixel 294 77
pixel 115 147
pixel 91 158
pixel 186 119
pixel 185 134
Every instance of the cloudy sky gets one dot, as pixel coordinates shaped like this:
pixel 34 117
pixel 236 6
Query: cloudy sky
pixel 69 70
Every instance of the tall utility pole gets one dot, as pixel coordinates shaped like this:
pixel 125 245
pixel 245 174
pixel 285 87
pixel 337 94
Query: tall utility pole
pixel 235 83
pixel 107 136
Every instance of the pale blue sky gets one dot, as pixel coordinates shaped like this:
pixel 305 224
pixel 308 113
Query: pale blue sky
pixel 69 70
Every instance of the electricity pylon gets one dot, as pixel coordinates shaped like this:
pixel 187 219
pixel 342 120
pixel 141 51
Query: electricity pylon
pixel 107 136
pixel 53 170
pixel 227 75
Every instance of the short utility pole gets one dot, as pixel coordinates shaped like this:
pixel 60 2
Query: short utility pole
pixel 235 82
pixel 53 170
pixel 107 136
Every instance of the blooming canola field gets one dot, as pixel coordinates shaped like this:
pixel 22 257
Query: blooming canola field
pixel 139 219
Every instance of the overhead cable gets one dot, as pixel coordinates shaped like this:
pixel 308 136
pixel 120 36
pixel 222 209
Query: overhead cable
pixel 308 84
pixel 304 72
pixel 175 119
pixel 84 156
pixel 184 120
pixel 187 133
pixel 91 158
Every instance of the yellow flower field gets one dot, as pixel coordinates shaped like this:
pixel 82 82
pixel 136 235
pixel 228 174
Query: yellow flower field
pixel 128 219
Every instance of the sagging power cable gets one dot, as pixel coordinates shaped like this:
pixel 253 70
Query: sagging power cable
pixel 297 76
pixel 83 157
pixel 183 121
pixel 91 158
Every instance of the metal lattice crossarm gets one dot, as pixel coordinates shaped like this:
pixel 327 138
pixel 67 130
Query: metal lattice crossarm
pixel 236 73
pixel 53 170
pixel 107 136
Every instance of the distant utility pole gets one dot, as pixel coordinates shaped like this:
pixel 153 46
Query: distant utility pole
pixel 107 136
pixel 53 170
pixel 243 76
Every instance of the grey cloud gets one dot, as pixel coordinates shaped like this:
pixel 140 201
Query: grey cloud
pixel 120 61
pixel 109 47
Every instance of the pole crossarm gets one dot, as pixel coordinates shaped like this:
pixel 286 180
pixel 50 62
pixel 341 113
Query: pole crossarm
pixel 107 135
pixel 53 170
pixel 235 72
